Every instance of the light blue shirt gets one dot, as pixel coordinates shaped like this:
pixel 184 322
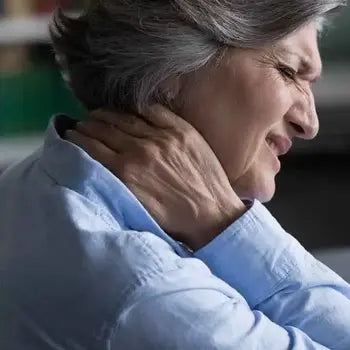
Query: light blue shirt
pixel 84 266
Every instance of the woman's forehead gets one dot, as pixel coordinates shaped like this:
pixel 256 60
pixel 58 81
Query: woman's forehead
pixel 302 40
pixel 302 45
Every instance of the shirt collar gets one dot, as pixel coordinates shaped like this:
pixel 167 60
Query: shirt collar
pixel 71 167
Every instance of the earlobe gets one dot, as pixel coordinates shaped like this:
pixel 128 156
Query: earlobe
pixel 172 92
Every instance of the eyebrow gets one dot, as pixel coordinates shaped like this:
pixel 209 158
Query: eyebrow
pixel 305 62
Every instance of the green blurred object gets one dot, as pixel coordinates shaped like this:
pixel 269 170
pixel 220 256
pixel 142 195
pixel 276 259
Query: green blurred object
pixel 28 100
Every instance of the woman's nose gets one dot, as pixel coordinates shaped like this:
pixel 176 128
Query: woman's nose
pixel 302 117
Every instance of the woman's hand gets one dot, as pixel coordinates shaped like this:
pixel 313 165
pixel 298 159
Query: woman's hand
pixel 168 166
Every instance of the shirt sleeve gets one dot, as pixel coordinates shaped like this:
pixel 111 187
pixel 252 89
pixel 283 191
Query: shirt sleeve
pixel 188 309
pixel 279 277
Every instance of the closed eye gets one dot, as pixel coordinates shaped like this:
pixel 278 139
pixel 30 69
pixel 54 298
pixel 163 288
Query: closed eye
pixel 287 72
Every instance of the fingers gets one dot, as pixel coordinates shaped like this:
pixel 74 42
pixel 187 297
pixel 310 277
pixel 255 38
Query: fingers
pixel 128 123
pixel 156 116
pixel 94 148
pixel 108 134
pixel 162 117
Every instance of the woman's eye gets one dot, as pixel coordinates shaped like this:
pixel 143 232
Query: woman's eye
pixel 288 72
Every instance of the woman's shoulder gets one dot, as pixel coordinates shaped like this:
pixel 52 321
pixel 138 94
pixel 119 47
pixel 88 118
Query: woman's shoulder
pixel 68 262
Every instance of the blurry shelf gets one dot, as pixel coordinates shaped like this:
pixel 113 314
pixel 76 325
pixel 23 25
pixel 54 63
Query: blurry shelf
pixel 16 148
pixel 25 30
pixel 31 30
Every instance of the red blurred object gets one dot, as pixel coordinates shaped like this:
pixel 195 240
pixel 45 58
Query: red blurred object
pixel 45 6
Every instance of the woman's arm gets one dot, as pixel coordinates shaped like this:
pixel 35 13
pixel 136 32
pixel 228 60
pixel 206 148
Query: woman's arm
pixel 191 315
pixel 178 179
pixel 279 277
pixel 147 299
pixel 82 282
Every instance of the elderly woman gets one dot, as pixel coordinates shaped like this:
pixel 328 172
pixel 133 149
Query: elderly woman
pixel 143 228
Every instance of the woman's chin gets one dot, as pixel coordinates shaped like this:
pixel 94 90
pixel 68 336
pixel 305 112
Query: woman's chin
pixel 262 190
pixel 266 195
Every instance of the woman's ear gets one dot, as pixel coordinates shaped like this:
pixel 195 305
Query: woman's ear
pixel 170 92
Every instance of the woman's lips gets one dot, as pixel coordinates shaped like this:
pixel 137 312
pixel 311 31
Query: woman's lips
pixel 279 144
pixel 274 152
pixel 272 146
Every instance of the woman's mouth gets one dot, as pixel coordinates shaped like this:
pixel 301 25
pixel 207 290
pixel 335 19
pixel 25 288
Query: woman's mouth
pixel 274 151
pixel 279 144
pixel 272 146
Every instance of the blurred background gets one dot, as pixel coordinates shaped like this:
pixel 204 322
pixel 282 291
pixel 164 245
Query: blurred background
pixel 313 186
pixel 31 87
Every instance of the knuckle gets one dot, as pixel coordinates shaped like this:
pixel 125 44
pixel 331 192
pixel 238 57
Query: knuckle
pixel 168 147
pixel 149 150
pixel 163 143
pixel 183 137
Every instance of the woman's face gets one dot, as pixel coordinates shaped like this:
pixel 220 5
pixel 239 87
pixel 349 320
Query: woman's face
pixel 252 106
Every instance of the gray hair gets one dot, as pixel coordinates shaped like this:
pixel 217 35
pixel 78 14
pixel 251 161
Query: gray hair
pixel 123 54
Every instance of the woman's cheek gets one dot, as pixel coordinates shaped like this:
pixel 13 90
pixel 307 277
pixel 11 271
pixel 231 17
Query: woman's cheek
pixel 270 99
pixel 279 100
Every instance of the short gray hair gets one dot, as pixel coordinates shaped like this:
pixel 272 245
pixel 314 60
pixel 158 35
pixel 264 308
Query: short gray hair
pixel 122 54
